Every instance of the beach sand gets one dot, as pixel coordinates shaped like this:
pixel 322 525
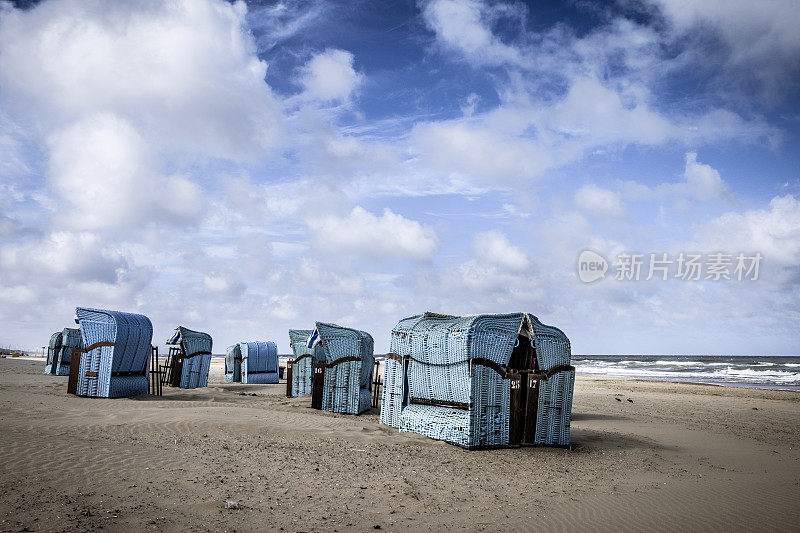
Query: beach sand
pixel 679 457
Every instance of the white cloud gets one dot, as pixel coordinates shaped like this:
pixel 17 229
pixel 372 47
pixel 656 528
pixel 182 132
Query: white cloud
pixel 330 77
pixel 476 149
pixel 362 233
pixel 775 232
pixel 319 278
pixel 702 181
pixel 522 139
pixel 130 101
pixel 602 115
pixel 494 248
pixel 223 283
pixel 279 21
pixel 463 25
pixel 107 173
pixel 184 72
pixel 564 97
pixel 699 182
pixel 599 201
pixel 760 37
pixel 62 258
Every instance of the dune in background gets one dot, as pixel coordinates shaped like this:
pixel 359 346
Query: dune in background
pixel 677 456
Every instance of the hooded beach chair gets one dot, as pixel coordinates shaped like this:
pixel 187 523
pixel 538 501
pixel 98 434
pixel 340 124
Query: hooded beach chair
pixel 70 339
pixel 343 368
pixel 300 369
pixel 233 364
pixel 252 362
pixel 190 358
pixel 115 357
pixel 259 362
pixel 479 381
pixel 53 351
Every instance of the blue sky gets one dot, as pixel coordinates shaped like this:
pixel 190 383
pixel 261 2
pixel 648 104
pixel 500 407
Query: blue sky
pixel 244 168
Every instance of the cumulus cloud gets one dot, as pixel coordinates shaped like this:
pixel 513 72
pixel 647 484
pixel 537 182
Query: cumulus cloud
pixel 599 201
pixel 119 93
pixel 480 152
pixel 330 77
pixel 62 258
pixel 760 38
pixel 597 96
pixel 699 182
pixel 106 171
pixel 775 232
pixel 463 25
pixel 564 96
pixel 386 236
pixel 223 283
pixel 184 71
pixel 494 248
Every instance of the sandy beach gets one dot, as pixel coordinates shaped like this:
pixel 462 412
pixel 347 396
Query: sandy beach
pixel 647 456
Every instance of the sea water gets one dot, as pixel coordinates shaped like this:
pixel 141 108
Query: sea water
pixel 763 372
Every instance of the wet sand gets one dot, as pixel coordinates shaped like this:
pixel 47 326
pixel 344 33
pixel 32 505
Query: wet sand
pixel 679 456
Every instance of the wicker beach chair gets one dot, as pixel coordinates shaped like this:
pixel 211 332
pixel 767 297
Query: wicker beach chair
pixel 479 381
pixel 53 351
pixel 116 355
pixel 345 362
pixel 259 362
pixel 70 339
pixel 233 364
pixel 252 362
pixel 300 369
pixel 190 358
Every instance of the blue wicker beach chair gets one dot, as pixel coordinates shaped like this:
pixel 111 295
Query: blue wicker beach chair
pixel 479 381
pixel 70 339
pixel 345 363
pixel 300 369
pixel 259 362
pixel 233 364
pixel 53 351
pixel 116 355
pixel 190 358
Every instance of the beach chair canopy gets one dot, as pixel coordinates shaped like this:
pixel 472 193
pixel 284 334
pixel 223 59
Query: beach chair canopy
pixel 114 360
pixel 450 373
pixel 192 342
pixel 335 342
pixel 298 340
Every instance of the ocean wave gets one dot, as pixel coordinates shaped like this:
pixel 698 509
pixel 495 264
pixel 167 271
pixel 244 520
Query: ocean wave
pixel 733 371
